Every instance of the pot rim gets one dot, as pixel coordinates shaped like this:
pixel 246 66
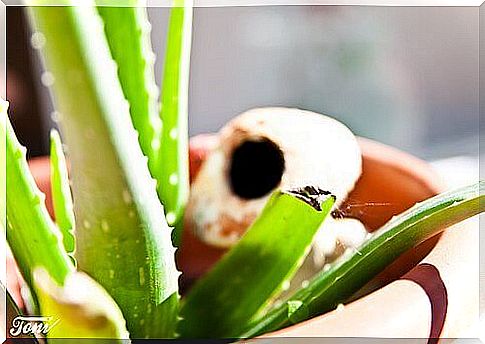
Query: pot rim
pixel 404 162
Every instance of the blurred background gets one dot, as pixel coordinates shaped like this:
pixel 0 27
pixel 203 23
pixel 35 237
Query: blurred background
pixel 406 76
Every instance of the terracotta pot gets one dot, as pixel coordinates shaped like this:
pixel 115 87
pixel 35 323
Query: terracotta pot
pixel 436 297
pixel 391 182
pixel 429 292
pixel 438 291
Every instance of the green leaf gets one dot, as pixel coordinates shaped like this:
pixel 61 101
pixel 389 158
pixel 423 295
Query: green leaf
pixel 122 238
pixel 352 271
pixel 257 269
pixel 32 235
pixel 61 193
pixel 173 166
pixel 128 33
pixel 81 309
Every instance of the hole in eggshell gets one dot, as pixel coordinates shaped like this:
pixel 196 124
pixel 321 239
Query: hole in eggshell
pixel 256 168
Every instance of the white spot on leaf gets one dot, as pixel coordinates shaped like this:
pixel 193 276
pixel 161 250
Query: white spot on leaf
pixel 173 133
pixel 47 79
pixel 173 179
pixel 55 116
pixel 37 40
pixel 104 226
pixel 155 143
pixel 171 218
pixel 126 196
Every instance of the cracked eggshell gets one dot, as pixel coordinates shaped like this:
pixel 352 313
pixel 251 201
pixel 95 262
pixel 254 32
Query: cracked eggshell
pixel 317 150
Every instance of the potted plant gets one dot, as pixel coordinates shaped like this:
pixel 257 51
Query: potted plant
pixel 106 268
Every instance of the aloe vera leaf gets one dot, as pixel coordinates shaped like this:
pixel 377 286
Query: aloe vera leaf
pixel 122 238
pixel 353 270
pixel 31 234
pixel 128 33
pixel 61 193
pixel 256 270
pixel 173 166
pixel 81 309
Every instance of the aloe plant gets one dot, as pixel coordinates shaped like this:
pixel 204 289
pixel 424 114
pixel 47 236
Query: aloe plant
pixel 128 34
pixel 258 268
pixel 37 246
pixel 166 146
pixel 124 167
pixel 173 172
pixel 61 194
pixel 122 239
pixel 79 309
pixel 33 237
pixel 352 271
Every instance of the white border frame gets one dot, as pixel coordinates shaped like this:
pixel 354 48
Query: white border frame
pixel 235 3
